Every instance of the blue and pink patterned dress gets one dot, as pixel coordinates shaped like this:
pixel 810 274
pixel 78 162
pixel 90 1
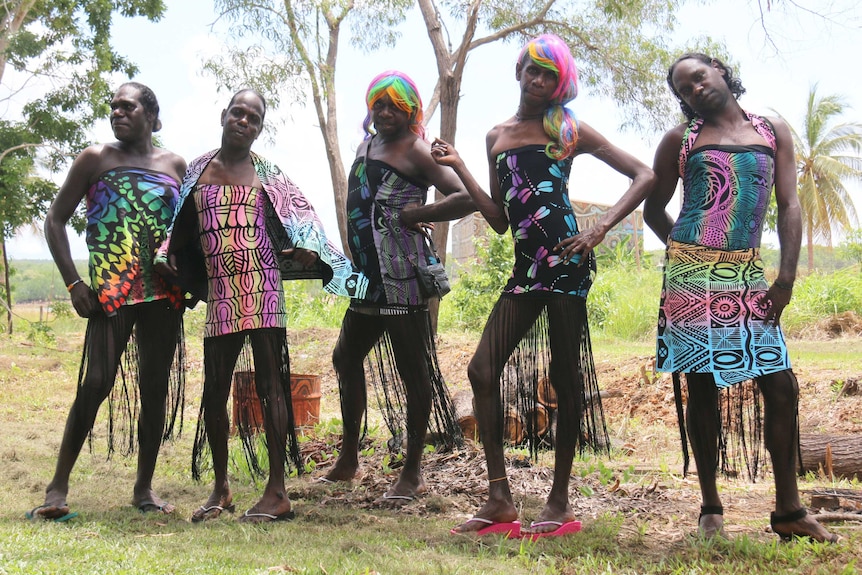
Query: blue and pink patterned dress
pixel 712 308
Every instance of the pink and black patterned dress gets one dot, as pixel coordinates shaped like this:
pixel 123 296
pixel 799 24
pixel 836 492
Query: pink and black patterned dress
pixel 244 288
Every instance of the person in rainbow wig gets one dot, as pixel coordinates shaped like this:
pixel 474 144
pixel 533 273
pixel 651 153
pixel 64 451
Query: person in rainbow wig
pixel 386 208
pixel 540 320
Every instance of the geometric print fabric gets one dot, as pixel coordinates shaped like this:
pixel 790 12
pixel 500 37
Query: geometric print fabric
pixel 711 316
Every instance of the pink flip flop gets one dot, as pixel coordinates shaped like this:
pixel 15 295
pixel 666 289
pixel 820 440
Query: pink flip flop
pixel 562 529
pixel 512 529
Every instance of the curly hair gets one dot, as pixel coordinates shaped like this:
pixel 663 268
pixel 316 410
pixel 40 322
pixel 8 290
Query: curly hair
pixel 148 100
pixel 733 82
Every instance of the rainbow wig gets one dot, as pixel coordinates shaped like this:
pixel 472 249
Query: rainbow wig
pixel 551 52
pixel 403 93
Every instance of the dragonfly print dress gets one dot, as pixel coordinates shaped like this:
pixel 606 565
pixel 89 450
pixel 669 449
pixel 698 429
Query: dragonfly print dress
pixel 538 328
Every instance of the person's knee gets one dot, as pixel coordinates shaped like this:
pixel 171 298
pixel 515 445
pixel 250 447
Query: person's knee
pixel 480 378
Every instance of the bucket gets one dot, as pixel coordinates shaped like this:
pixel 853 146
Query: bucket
pixel 304 395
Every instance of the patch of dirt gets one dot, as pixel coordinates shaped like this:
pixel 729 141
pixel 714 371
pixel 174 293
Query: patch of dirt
pixel 643 482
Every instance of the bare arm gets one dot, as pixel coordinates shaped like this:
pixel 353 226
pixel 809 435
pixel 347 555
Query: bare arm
pixel 70 195
pixel 666 168
pixel 789 221
pixel 642 181
pixel 489 205
pixel 456 202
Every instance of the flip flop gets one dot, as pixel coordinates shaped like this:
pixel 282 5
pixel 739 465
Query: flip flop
pixel 150 506
pixel 65 515
pixel 562 529
pixel 266 517
pixel 394 501
pixel 512 529
pixel 205 513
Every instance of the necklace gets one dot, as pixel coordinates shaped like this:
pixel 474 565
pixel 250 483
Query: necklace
pixel 523 118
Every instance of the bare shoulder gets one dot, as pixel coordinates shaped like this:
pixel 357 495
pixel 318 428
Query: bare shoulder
pixel 94 160
pixel 779 125
pixel 673 137
pixel 170 163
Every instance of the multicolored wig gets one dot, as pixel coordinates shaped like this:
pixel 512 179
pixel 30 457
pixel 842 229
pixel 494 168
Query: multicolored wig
pixel 403 93
pixel 551 52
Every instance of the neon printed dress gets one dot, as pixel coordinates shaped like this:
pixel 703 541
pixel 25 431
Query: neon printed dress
pixel 244 290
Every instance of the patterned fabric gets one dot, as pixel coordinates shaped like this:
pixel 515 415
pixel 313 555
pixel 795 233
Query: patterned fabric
pixel 711 316
pixel 536 200
pixel 727 190
pixel 128 213
pixel 245 290
pixel 383 250
pixel 295 216
pixel 712 310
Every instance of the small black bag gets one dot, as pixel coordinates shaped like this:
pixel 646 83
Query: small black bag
pixel 432 278
pixel 433 281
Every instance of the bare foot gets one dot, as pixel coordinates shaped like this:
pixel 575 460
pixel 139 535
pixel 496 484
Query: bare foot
pixel 55 504
pixel 711 525
pixel 402 492
pixel 217 503
pixel 800 524
pixel 345 469
pixel 550 519
pixel 270 507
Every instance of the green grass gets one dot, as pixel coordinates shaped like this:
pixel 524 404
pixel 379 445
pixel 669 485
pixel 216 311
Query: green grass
pixel 336 531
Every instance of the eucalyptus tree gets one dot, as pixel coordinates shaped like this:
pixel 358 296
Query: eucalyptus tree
pixel 827 159
pixel 288 50
pixel 56 62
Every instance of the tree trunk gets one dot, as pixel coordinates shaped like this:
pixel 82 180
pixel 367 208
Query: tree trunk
pixel 810 238
pixel 465 414
pixel 835 455
pixel 8 293
pixel 513 425
pixel 547 394
pixel 339 187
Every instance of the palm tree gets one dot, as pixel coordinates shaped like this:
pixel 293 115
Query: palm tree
pixel 827 157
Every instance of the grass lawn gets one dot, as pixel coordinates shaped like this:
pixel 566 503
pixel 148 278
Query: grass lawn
pixel 639 514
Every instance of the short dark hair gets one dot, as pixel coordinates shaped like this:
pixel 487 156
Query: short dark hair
pixel 148 100
pixel 733 82
pixel 253 91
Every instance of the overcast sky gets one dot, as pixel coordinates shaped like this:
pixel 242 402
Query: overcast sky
pixel 807 49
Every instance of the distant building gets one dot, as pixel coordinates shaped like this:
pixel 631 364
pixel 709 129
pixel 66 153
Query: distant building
pixel 632 227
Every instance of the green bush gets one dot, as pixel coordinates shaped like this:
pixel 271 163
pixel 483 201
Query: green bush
pixel 821 295
pixel 623 302
pixel 477 287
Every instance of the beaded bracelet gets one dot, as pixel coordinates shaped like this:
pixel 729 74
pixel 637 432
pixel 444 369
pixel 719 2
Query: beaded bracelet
pixel 73 284
pixel 783 286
